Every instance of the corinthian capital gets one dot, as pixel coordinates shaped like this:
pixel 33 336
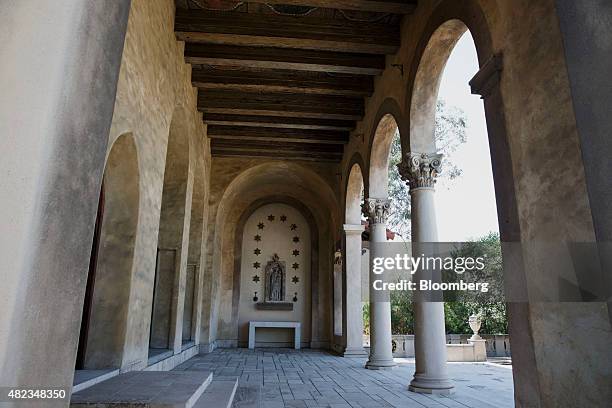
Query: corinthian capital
pixel 420 169
pixel 377 210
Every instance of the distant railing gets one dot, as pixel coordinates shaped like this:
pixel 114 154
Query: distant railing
pixel 497 345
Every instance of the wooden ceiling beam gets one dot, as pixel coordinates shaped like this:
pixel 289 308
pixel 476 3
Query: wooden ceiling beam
pixel 281 81
pixel 279 104
pixel 266 30
pixel 258 154
pixel 277 134
pixel 288 150
pixel 285 122
pixel 379 6
pixel 284 59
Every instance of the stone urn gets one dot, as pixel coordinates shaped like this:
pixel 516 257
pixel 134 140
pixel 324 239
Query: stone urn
pixel 474 321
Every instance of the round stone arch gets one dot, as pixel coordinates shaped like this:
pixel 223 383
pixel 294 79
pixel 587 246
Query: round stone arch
pixel 258 182
pixel 449 21
pixel 355 185
pixel 445 26
pixel 314 250
pixel 172 242
pixel 388 120
pixel 106 309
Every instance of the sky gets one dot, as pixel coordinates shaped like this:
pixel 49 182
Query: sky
pixel 465 207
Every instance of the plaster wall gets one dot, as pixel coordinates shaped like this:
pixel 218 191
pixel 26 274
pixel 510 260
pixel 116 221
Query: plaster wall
pixel 275 238
pixel 52 137
pixel 154 94
pixel 235 184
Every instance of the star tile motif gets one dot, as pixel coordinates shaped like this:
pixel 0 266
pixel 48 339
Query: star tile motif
pixel 293 227
pixel 296 239
pixel 295 265
pixel 283 218
pixel 271 217
pixel 260 225
pixel 295 279
pixel 257 238
pixel 256 265
pixel 257 251
pixel 295 252
pixel 256 279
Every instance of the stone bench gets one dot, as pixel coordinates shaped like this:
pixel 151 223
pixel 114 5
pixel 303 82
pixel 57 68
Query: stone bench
pixel 289 325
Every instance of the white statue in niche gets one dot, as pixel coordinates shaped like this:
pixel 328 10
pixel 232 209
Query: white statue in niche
pixel 275 280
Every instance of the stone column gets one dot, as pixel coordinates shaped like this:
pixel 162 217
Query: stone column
pixel 353 314
pixel 431 374
pixel 381 353
pixel 58 75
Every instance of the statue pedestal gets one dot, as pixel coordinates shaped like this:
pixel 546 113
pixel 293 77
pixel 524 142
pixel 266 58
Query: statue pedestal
pixel 286 306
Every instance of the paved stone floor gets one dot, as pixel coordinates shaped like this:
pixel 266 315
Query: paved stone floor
pixel 279 378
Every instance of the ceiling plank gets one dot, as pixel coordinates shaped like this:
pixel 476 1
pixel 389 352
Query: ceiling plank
pixel 279 104
pixel 380 6
pixel 278 122
pixel 284 59
pixel 266 30
pixel 258 154
pixel 284 81
pixel 276 150
pixel 277 134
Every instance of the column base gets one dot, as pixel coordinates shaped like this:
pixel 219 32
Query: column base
pixel 431 386
pixel 354 352
pixel 380 364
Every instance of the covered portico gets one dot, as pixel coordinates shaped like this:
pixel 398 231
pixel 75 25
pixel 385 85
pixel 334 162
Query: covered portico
pixel 183 168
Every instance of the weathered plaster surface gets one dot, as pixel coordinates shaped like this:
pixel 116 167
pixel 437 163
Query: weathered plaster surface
pixel 235 184
pixel 154 91
pixel 52 137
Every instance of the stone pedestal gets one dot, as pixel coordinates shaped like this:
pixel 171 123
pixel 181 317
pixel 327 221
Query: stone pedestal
pixel 381 351
pixel 431 374
pixel 353 314
pixel 480 349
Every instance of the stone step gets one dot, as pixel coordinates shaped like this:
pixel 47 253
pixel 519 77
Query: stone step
pixel 219 394
pixel 145 389
pixel 87 378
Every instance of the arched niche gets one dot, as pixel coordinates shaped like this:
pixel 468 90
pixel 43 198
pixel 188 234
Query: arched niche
pixel 256 183
pixel 268 227
pixel 171 261
pixel 193 278
pixel 106 315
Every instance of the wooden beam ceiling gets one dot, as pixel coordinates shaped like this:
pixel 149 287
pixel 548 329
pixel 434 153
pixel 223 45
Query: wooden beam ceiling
pixel 277 134
pixel 277 58
pixel 281 81
pixel 284 86
pixel 275 150
pixel 278 122
pixel 379 6
pixel 281 104
pixel 265 30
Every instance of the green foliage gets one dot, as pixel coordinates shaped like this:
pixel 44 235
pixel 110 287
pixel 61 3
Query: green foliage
pixel 366 319
pixel 450 133
pixel 402 312
pixel 491 305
